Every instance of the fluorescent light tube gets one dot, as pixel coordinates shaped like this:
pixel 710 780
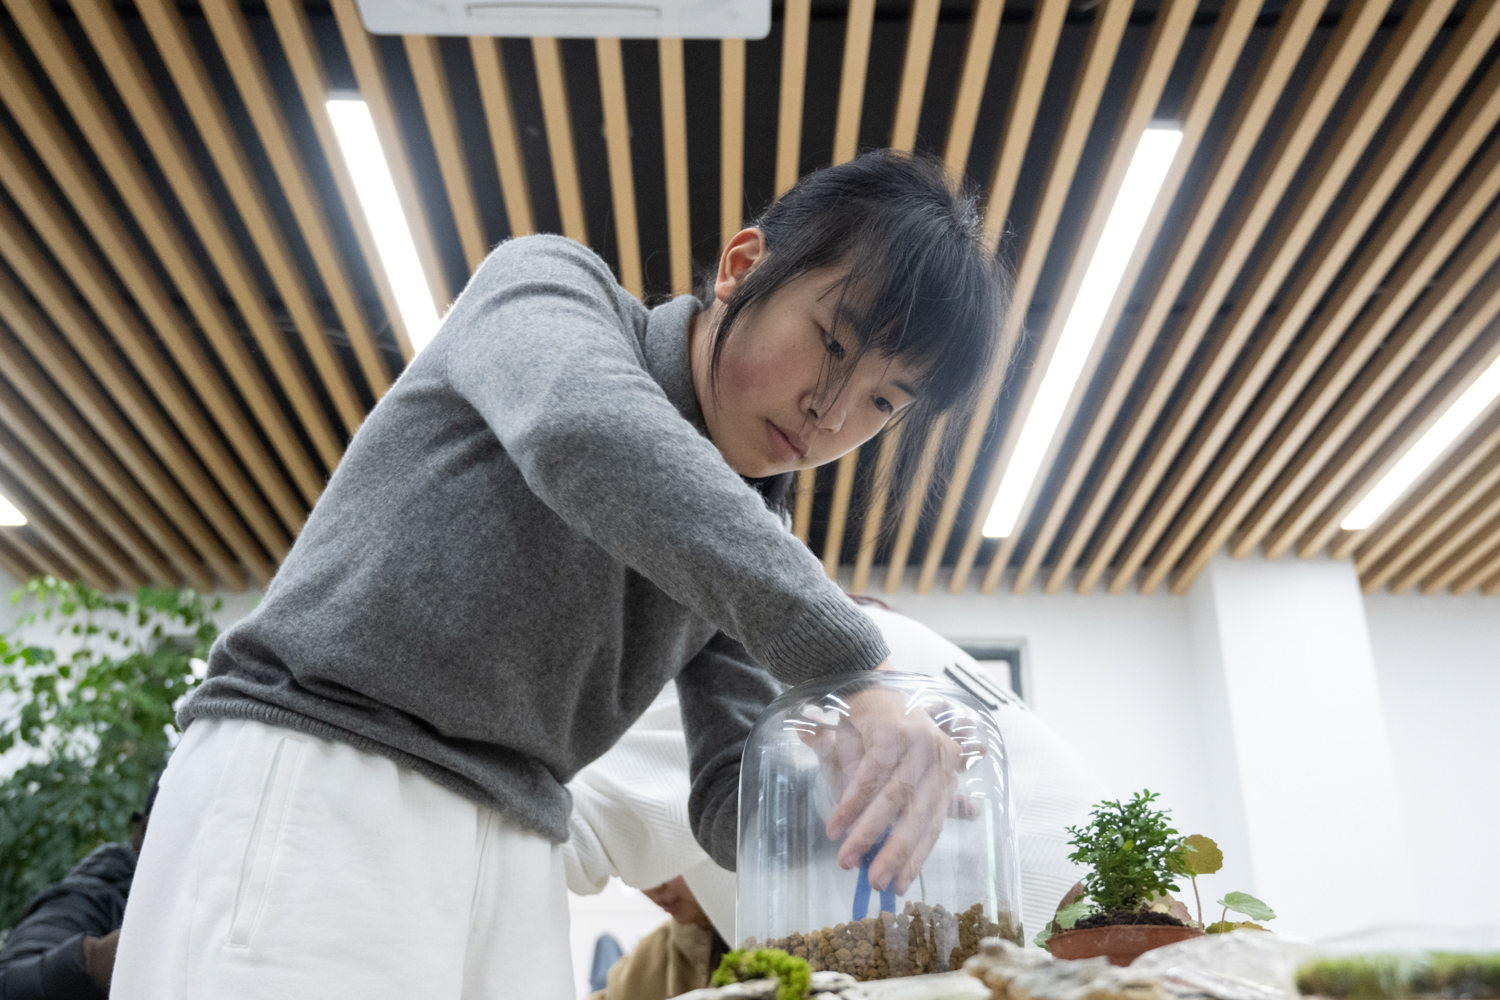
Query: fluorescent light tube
pixel 377 197
pixel 1427 449
pixel 1148 168
pixel 9 516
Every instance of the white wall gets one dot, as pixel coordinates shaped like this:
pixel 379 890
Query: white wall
pixel 1438 661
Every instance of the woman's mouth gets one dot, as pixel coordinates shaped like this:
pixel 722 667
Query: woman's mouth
pixel 785 446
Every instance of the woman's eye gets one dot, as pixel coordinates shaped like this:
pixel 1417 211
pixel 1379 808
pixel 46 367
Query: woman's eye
pixel 884 405
pixel 834 347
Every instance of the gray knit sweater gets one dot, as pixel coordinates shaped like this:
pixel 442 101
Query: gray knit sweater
pixel 528 537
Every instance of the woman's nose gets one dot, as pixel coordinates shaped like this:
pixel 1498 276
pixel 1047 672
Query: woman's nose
pixel 830 418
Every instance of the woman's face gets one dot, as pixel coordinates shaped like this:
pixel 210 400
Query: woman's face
pixel 765 412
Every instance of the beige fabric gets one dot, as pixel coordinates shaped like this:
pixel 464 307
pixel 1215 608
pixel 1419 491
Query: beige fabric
pixel 669 961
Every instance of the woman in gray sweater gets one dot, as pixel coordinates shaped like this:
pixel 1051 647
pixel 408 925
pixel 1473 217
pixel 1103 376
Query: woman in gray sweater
pixel 566 501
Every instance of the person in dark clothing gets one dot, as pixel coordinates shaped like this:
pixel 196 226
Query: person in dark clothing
pixel 63 946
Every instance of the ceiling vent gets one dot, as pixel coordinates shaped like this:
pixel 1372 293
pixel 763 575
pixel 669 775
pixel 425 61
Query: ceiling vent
pixel 570 19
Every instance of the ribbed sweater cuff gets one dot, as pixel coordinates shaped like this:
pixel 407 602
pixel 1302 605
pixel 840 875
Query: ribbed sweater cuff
pixel 832 637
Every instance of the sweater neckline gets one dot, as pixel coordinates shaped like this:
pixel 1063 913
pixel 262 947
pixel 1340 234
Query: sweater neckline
pixel 666 350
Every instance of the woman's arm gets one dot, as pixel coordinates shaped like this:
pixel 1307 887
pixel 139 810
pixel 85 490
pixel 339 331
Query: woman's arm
pixel 722 692
pixel 540 345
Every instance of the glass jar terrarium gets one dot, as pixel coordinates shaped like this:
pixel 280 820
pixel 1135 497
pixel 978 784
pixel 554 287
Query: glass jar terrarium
pixel 794 894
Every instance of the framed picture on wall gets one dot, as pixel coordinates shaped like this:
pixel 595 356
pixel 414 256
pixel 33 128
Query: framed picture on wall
pixel 1003 674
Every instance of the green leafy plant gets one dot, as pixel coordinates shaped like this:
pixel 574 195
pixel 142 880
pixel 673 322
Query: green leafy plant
pixel 95 707
pixel 793 975
pixel 1065 920
pixel 1201 856
pixel 1131 852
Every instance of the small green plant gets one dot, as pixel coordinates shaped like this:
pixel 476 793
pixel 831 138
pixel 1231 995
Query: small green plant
pixel 1201 856
pixel 794 975
pixel 96 710
pixel 1131 852
pixel 1134 859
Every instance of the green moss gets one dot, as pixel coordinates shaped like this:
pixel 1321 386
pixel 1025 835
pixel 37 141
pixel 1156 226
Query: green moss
pixel 1391 977
pixel 794 974
pixel 1473 977
pixel 1373 977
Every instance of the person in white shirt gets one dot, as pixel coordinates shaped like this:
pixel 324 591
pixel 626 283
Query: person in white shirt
pixel 630 806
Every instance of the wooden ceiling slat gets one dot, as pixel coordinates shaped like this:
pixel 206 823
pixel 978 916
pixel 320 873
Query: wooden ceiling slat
pixel 113 46
pixel 505 140
pixel 559 125
pixel 906 531
pixel 1026 98
pixel 1480 575
pixel 39 518
pixel 31 330
pixel 30 436
pixel 1390 362
pixel 427 70
pixel 31 547
pixel 1293 30
pixel 857 31
pixel 1110 22
pixel 170 35
pixel 1167 35
pixel 621 173
pixel 979 51
pixel 1277 364
pixel 54 501
pixel 675 155
pixel 13 561
pixel 1429 514
pixel 1025 101
pixel 1180 454
pixel 920 34
pixel 880 491
pixel 1455 549
pixel 1466 549
pixel 369 76
pixel 803 504
pixel 92 280
pixel 843 488
pixel 69 318
pixel 232 33
pixel 294 32
pixel 1425 389
pixel 100 441
pixel 794 26
pixel 1231 32
pixel 1265 497
pixel 49 139
pixel 731 137
pixel 1312 469
pixel 1368 360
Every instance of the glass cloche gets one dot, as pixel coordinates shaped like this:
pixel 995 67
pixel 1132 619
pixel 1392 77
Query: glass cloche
pixel 800 760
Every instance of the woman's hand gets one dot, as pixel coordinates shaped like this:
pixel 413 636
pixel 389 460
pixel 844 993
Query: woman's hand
pixel 901 770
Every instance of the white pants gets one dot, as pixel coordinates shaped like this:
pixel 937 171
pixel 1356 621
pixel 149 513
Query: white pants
pixel 282 865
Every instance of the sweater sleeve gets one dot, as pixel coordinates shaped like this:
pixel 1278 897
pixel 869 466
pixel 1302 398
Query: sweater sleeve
pixel 540 344
pixel 721 693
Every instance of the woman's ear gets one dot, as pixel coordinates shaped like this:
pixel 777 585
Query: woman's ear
pixel 739 258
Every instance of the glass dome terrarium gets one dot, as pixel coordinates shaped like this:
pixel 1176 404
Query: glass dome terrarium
pixel 793 892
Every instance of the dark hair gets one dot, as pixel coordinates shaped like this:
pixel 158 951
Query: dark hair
pixel 922 285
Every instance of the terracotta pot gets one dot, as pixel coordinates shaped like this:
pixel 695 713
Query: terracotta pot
pixel 1120 943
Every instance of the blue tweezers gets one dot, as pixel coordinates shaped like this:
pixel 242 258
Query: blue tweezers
pixel 862 887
